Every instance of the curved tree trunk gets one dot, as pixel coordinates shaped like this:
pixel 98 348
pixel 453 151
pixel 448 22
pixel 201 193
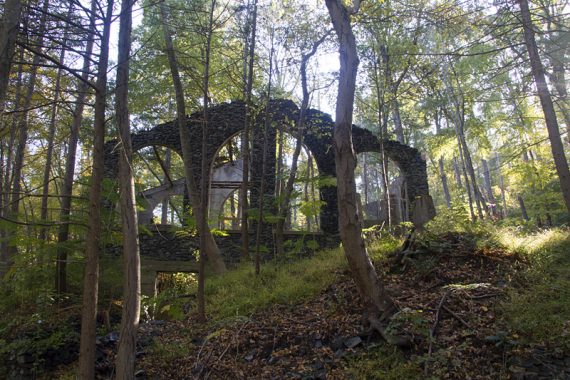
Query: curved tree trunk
pixel 209 244
pixel 367 281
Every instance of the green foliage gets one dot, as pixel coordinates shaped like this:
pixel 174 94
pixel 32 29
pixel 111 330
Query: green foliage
pixel 541 305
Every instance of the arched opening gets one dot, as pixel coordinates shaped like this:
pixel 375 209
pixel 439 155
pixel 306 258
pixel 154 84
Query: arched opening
pixel 382 189
pixel 305 204
pixel 226 180
pixel 160 185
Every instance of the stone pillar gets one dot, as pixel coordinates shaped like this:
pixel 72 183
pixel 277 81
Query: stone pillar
pixel 422 211
pixel 257 173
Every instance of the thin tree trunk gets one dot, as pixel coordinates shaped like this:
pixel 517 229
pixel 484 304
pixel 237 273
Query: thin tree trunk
pixel 523 207
pixel 444 183
pixel 125 361
pixel 367 281
pixel 286 196
pixel 164 211
pixel 382 121
pixel 8 35
pixel 245 140
pixel 457 173
pixel 488 186
pixel 547 105
pixel 23 133
pixel 261 200
pixel 467 184
pixel 67 188
pixel 23 121
pixel 210 248
pixel 51 133
pixel 93 239
pixel 8 176
pixel 205 179
pixel 502 186
pixel 398 130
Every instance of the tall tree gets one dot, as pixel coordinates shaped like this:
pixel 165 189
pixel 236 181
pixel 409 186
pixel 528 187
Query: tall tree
pixel 67 187
pixel 93 239
pixel 300 126
pixel 210 248
pixel 368 283
pixel 546 102
pixel 246 132
pixel 125 361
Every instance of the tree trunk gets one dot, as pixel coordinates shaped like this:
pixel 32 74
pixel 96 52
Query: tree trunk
pixel 8 35
pixel 523 207
pixel 383 123
pixel 444 183
pixel 23 131
pixel 547 105
pixel 488 187
pixel 286 196
pixel 8 175
pixel 502 186
pixel 367 281
pixel 457 173
pixel 467 184
pixel 67 188
pixel 398 130
pixel 245 140
pixel 91 274
pixel 125 361
pixel 51 133
pixel 164 210
pixel 261 200
pixel 209 244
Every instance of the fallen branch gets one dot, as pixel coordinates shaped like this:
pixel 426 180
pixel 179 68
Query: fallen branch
pixel 433 330
pixel 232 341
pixel 482 296
pixel 456 316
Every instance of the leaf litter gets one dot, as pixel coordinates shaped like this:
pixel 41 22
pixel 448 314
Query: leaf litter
pixel 448 302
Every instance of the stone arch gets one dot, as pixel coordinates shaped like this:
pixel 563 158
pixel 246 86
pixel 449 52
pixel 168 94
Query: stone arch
pixel 227 119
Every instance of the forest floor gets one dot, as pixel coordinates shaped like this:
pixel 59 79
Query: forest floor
pixel 479 302
pixel 463 301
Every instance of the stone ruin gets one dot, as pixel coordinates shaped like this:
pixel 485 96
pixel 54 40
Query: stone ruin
pixel 226 121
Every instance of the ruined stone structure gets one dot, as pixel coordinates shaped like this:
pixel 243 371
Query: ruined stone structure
pixel 227 120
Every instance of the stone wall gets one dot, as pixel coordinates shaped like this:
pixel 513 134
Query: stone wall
pixel 227 120
pixel 168 249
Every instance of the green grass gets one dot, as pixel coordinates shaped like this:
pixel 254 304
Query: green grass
pixel 240 292
pixel 383 362
pixel 539 310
